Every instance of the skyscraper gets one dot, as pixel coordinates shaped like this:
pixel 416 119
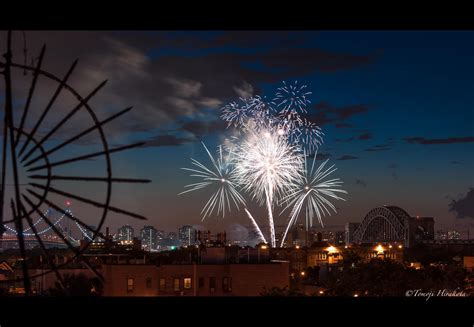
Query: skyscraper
pixel 149 238
pixel 186 235
pixel 125 233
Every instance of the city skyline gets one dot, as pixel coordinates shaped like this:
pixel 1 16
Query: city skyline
pixel 396 109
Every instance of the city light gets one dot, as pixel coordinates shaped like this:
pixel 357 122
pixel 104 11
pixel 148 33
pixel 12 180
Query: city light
pixel 356 295
pixel 399 246
pixel 390 246
pixel 303 273
pixel 264 247
pixel 321 292
pixel 331 249
pixel 297 247
pixel 379 249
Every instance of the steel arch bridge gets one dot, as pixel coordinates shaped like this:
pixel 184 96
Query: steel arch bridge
pixel 383 224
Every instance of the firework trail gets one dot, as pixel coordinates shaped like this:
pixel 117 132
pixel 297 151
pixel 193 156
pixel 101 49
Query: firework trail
pixel 255 225
pixel 265 164
pixel 221 176
pixel 312 193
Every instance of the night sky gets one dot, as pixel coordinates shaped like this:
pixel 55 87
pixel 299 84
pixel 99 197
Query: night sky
pixel 396 109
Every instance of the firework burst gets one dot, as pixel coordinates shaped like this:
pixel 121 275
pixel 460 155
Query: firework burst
pixel 292 98
pixel 220 175
pixel 265 164
pixel 312 194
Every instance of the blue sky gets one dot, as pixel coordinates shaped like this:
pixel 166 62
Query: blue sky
pixel 399 103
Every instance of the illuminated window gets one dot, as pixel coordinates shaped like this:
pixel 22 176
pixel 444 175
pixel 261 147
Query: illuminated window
pixel 187 283
pixel 176 284
pixel 201 282
pixel 148 282
pixel 130 284
pixel 162 284
pixel 212 284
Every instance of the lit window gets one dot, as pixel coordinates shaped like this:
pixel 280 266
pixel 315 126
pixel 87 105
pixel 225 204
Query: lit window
pixel 176 284
pixel 130 284
pixel 162 284
pixel 148 282
pixel 212 284
pixel 187 283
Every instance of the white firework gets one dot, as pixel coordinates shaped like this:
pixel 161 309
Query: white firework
pixel 307 134
pixel 291 98
pixel 221 177
pixel 265 166
pixel 236 114
pixel 312 194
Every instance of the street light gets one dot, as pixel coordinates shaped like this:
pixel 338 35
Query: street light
pixel 303 273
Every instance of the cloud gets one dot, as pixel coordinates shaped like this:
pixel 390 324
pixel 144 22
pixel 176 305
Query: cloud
pixel 379 147
pixel 393 166
pixel 324 114
pixel 244 91
pixel 201 128
pixel 455 162
pixel 449 140
pixel 343 125
pixel 463 207
pixel 320 156
pixel 360 183
pixel 166 140
pixel 168 76
pixel 365 136
pixel 347 157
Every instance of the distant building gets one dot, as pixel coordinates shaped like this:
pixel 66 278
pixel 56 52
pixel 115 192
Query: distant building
pixel 454 235
pixel 186 235
pixel 125 233
pixel 194 279
pixel 149 238
pixel 349 232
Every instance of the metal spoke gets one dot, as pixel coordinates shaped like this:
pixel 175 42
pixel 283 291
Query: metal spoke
pixel 85 200
pixel 74 138
pixel 90 179
pixel 61 85
pixel 87 156
pixel 30 95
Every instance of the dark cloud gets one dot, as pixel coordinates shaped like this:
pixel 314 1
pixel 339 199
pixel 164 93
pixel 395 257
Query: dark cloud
pixel 167 140
pixel 360 183
pixel 347 157
pixel 201 128
pixel 320 156
pixel 393 166
pixel 343 125
pixel 379 147
pixel 324 113
pixel 365 136
pixel 449 140
pixel 463 207
pixel 170 75
pixel 395 176
pixel 455 162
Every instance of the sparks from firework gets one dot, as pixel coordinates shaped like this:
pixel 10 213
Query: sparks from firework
pixel 292 98
pixel 265 164
pixel 220 175
pixel 312 193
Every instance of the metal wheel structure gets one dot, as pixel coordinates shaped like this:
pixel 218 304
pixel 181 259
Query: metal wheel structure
pixel 25 149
